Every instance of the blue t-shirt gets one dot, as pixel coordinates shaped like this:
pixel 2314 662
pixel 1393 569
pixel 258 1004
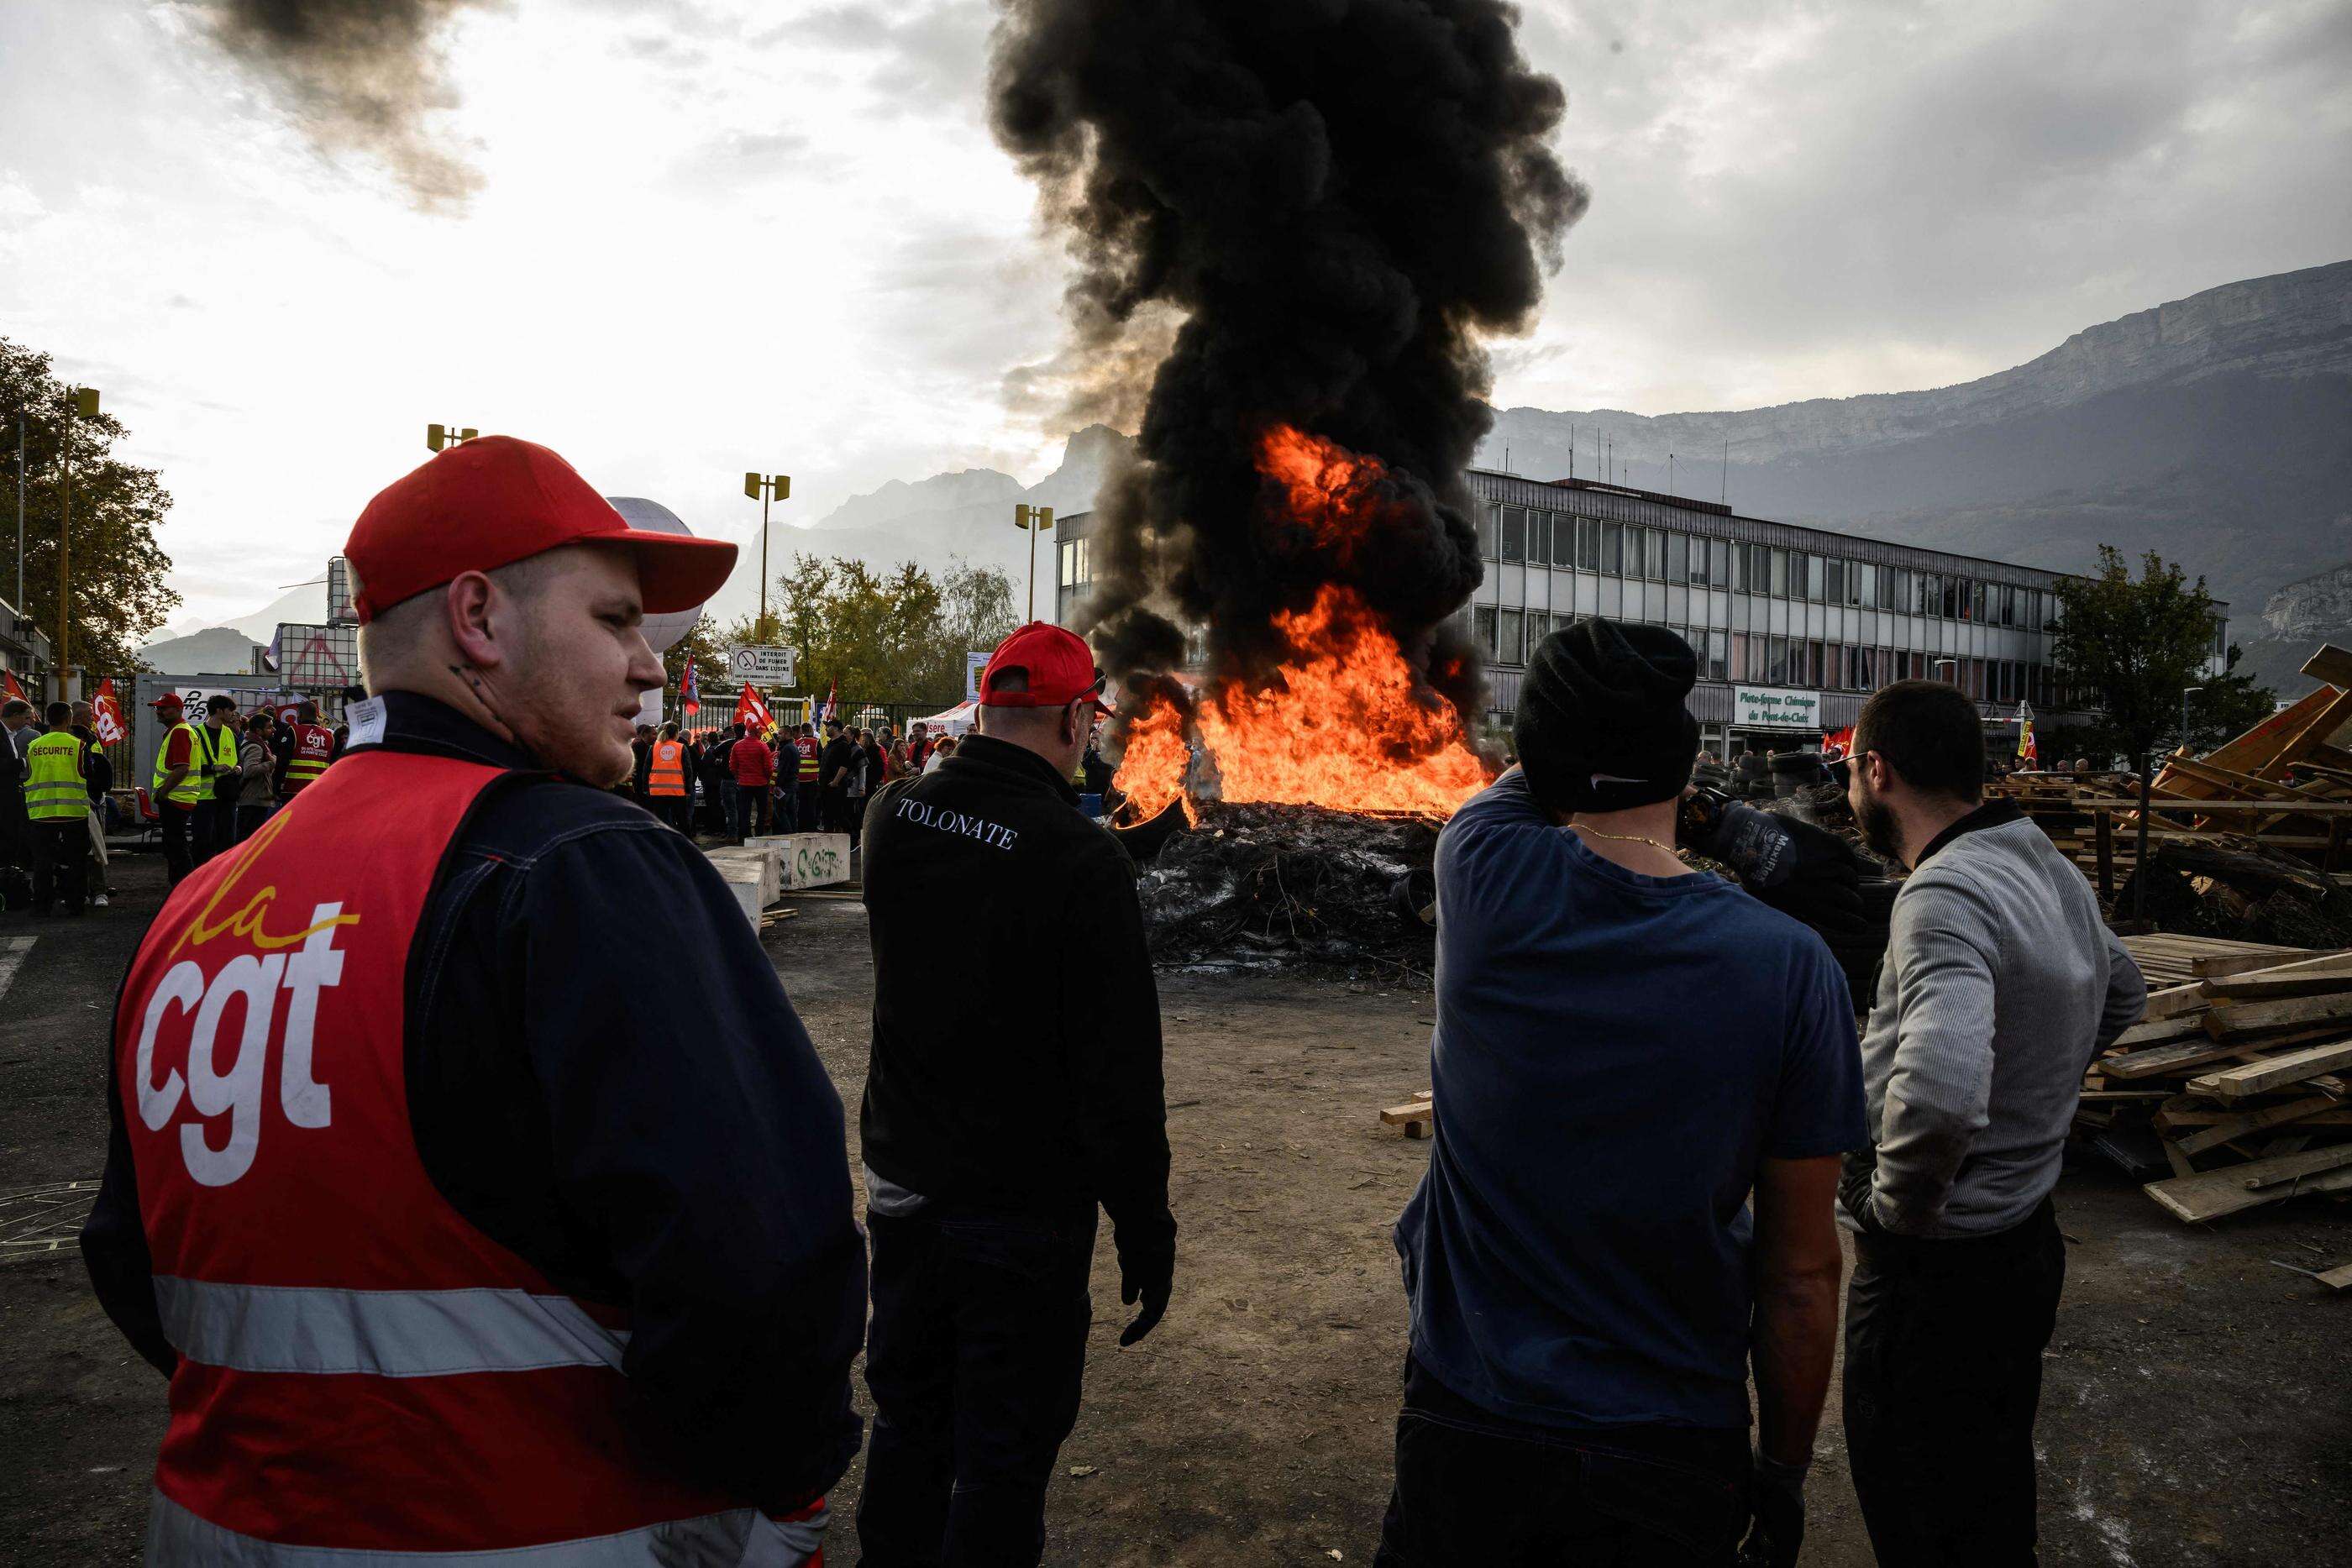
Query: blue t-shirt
pixel 1615 1055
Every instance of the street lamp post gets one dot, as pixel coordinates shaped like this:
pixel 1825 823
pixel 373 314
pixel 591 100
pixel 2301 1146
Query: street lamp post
pixel 20 514
pixel 1033 520
pixel 82 401
pixel 764 488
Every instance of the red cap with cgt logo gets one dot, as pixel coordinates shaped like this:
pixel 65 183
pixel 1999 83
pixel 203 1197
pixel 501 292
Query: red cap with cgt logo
pixel 497 500
pixel 1058 665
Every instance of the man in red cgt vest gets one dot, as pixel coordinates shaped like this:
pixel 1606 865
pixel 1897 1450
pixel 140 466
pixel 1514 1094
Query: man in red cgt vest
pixel 468 1210
pixel 310 746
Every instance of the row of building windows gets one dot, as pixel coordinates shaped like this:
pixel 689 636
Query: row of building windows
pixel 1507 636
pixel 1538 538
pixel 1074 570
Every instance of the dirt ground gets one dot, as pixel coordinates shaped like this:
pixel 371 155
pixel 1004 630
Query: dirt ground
pixel 2198 1409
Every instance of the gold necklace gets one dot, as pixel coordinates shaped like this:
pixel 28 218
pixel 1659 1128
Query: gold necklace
pixel 1626 838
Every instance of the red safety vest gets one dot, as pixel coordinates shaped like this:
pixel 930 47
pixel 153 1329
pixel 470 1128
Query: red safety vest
pixel 314 747
pixel 360 1370
pixel 806 745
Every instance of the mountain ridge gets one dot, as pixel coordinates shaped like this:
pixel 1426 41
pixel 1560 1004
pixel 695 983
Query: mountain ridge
pixel 2216 428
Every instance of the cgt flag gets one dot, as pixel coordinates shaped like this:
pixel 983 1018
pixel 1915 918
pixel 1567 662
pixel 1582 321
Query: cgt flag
pixel 106 714
pixel 14 690
pixel 832 705
pixel 2028 749
pixel 751 711
pixel 1837 744
pixel 689 691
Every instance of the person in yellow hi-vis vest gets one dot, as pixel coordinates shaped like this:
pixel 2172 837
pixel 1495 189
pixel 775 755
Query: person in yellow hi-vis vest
pixel 218 785
pixel 178 785
pixel 57 800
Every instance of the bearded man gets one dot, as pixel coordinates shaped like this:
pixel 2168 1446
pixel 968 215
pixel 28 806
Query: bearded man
pixel 2000 984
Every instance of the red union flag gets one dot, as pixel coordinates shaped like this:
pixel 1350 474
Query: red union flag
pixel 689 689
pixel 1837 743
pixel 751 711
pixel 106 714
pixel 14 689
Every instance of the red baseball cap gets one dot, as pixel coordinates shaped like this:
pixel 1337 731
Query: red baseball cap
pixel 1060 667
pixel 495 500
pixel 169 699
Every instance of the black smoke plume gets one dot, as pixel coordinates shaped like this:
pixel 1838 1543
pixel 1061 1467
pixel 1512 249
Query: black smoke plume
pixel 362 74
pixel 1338 198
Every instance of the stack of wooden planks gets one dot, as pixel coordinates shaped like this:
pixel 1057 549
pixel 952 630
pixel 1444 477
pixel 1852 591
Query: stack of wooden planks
pixel 2240 1069
pixel 2285 785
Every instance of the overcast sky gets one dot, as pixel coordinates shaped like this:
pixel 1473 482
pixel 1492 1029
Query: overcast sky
pixel 717 235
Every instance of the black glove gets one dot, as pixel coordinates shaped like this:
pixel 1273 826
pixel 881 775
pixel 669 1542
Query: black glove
pixel 1147 1273
pixel 1776 1507
pixel 1854 1178
pixel 1793 866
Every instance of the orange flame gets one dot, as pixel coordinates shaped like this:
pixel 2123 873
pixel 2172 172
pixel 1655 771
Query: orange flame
pixel 1152 771
pixel 1344 721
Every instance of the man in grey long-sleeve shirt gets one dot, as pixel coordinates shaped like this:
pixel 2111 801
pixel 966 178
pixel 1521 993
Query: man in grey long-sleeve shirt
pixel 2000 983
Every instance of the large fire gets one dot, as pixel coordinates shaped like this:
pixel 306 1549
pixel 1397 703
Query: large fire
pixel 1343 722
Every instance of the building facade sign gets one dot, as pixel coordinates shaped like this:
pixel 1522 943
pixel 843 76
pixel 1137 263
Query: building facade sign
pixel 1773 707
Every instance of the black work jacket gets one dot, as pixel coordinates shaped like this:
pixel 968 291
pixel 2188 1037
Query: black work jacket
pixel 1016 1026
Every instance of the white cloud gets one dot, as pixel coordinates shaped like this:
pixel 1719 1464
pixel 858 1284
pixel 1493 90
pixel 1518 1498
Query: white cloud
pixel 712 237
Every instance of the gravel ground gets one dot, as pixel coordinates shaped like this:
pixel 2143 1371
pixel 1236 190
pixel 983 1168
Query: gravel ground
pixel 2196 1410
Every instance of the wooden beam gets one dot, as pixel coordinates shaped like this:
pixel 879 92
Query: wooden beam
pixel 2274 1071
pixel 2245 1121
pixel 2331 664
pixel 2322 728
pixel 2210 1195
pixel 2106 830
pixel 2243 783
pixel 2310 978
pixel 2175 1001
pixel 2258 746
pixel 2235 1021
pixel 2163 1031
pixel 2168 1058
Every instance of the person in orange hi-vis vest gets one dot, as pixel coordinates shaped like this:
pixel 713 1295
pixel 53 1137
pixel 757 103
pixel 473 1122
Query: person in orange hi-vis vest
pixel 667 781
pixel 470 1175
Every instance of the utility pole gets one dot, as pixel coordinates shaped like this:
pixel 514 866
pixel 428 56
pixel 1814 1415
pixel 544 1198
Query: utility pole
pixel 20 514
pixel 1034 520
pixel 764 489
pixel 82 401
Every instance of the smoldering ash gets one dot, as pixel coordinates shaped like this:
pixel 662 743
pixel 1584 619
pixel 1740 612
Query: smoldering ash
pixel 361 74
pixel 1335 200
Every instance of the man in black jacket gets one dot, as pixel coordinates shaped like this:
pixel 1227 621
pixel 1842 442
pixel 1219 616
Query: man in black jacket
pixel 984 882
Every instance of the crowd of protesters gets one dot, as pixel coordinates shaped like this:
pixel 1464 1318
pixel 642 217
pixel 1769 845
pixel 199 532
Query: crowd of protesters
pixel 732 784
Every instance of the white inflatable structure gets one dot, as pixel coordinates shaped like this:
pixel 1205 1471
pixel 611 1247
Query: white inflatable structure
pixel 662 631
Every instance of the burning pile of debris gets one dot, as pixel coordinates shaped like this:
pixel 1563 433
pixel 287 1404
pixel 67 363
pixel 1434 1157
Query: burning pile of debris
pixel 1299 251
pixel 1253 884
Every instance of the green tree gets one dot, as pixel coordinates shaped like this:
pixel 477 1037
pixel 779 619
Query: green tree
pixel 118 592
pixel 883 637
pixel 2130 648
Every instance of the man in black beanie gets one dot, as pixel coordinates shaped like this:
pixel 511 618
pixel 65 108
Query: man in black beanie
pixel 1626 1052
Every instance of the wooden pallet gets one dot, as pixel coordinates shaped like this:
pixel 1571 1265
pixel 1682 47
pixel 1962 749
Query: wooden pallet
pixel 2238 1067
